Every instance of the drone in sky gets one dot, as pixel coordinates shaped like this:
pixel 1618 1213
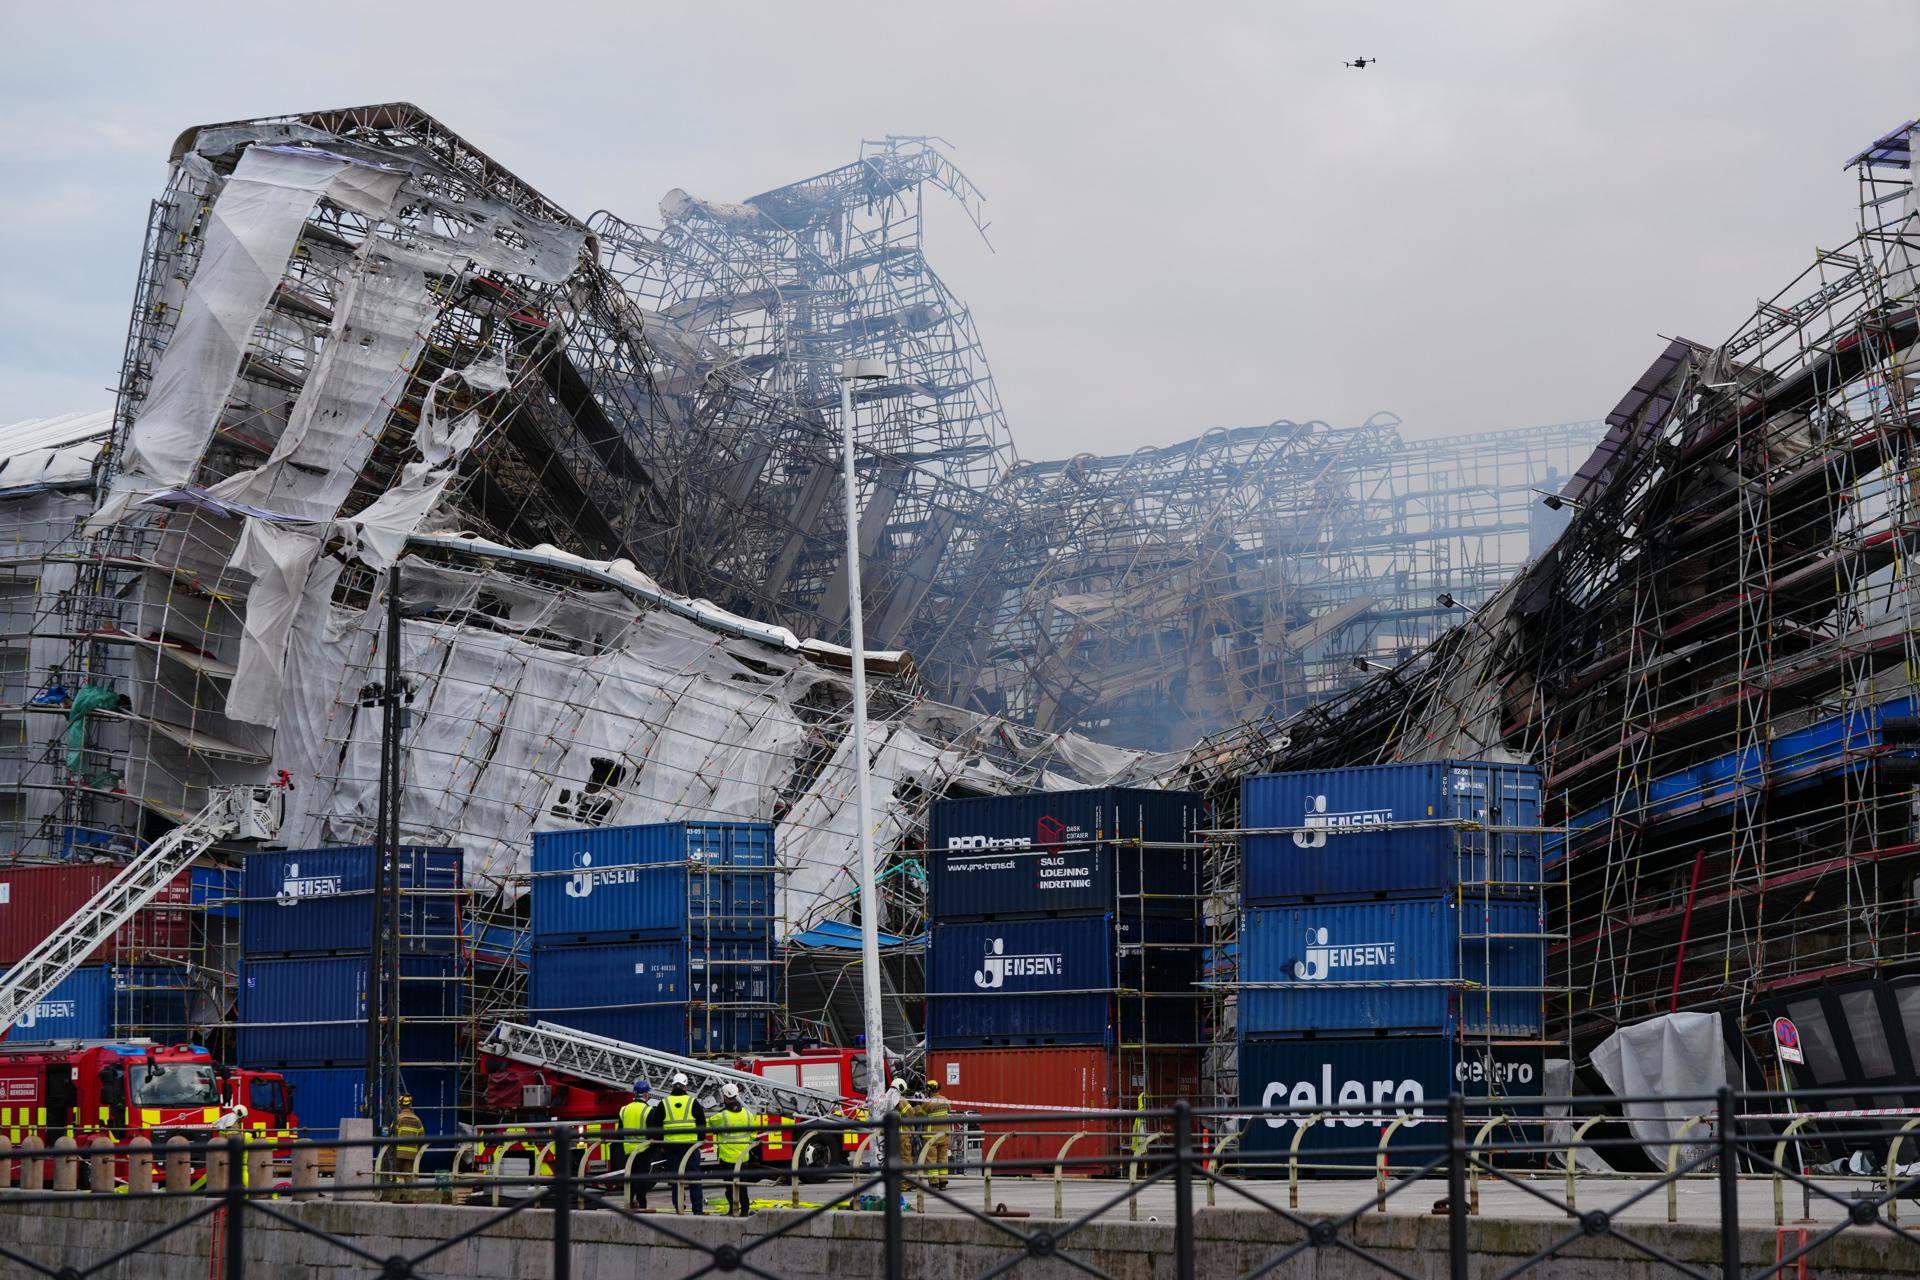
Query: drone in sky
pixel 1360 64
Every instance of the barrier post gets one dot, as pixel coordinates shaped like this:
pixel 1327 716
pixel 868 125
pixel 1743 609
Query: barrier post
pixel 139 1166
pixel 1457 1186
pixel 890 1183
pixel 1729 1191
pixel 66 1164
pixel 1182 1190
pixel 236 1209
pixel 562 1190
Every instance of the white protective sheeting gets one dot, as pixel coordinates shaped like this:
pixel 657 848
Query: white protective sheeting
pixel 279 557
pixel 251 231
pixel 1679 1054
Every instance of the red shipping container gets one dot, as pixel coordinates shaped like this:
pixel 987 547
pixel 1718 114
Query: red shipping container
pixel 35 900
pixel 985 1081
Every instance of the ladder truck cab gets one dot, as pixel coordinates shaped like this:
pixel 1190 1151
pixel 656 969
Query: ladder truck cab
pixel 125 1088
pixel 264 1102
pixel 842 1072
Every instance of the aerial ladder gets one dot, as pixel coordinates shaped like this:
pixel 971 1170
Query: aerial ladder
pixel 615 1064
pixel 233 813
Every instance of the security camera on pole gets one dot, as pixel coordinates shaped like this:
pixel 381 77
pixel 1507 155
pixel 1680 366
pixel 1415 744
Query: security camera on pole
pixel 851 372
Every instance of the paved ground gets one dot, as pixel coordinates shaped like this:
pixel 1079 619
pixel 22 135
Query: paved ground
pixel 1697 1199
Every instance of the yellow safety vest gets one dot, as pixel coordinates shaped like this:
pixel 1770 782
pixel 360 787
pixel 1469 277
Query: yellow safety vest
pixel 678 1126
pixel 733 1135
pixel 633 1117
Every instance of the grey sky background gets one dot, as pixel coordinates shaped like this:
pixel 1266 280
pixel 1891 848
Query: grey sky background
pixel 1201 218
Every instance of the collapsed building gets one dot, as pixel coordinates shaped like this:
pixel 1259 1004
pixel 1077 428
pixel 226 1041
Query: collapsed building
pixel 597 462
pixel 1716 667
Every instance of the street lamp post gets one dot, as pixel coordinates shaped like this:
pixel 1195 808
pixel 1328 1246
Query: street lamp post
pixel 851 372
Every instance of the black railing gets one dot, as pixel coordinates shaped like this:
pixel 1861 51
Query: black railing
pixel 1696 1193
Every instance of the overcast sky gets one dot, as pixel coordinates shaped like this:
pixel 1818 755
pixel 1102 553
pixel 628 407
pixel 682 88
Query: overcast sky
pixel 1201 218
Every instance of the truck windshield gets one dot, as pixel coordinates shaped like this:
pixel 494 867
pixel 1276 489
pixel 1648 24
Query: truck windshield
pixel 175 1085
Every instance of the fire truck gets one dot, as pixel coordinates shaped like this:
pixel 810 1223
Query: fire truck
pixel 549 1073
pixel 133 1089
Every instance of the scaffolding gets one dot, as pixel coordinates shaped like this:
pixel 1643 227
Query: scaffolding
pixel 1715 665
pixel 1169 593
pixel 603 457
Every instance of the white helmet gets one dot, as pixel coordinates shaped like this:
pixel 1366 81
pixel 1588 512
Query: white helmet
pixel 729 1090
pixel 680 1078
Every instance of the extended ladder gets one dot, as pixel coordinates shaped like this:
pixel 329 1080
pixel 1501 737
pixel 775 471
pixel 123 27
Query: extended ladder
pixel 617 1064
pixel 234 813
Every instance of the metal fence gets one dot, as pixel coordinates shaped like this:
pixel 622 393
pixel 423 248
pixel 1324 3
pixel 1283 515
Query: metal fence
pixel 1720 1165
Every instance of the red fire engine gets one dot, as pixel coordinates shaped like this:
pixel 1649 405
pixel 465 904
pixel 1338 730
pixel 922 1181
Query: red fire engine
pixel 131 1089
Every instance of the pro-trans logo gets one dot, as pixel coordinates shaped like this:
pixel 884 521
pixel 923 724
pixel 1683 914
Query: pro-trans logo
pixel 1318 824
pixel 581 883
pixel 999 966
pixel 296 886
pixel 1324 958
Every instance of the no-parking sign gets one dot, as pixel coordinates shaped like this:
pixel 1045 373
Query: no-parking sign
pixel 1786 1039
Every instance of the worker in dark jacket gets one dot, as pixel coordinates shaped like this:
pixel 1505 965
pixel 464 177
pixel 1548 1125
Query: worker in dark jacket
pixel 678 1122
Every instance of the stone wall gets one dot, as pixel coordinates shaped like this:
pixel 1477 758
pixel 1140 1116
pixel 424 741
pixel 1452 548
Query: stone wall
pixel 847 1246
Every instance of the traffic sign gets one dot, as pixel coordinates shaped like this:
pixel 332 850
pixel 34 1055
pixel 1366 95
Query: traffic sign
pixel 1786 1039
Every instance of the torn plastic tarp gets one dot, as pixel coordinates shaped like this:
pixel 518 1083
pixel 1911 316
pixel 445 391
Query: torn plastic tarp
pixel 251 231
pixel 279 557
pixel 1680 1055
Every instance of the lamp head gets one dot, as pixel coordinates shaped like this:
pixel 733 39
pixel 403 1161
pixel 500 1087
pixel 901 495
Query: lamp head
pixel 862 370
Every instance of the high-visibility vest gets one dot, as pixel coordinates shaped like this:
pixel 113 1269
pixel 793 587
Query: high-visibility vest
pixel 678 1125
pixel 633 1117
pixel 733 1135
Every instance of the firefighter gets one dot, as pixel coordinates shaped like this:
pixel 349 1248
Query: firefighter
pixel 907 1105
pixel 401 1165
pixel 679 1121
pixel 735 1132
pixel 935 1139
pixel 1140 1139
pixel 637 1154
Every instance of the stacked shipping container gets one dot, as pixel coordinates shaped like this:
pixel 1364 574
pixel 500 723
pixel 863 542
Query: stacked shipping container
pixel 1392 943
pixel 306 931
pixel 139 982
pixel 1064 955
pixel 660 934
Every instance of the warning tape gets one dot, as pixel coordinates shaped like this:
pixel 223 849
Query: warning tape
pixel 1863 1113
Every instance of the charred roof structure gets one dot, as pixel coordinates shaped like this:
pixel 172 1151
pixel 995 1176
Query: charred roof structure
pixel 1716 665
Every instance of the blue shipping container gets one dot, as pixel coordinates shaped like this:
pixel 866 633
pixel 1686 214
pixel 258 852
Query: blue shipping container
pixel 660 880
pixel 1347 833
pixel 1052 852
pixel 312 1010
pixel 1416 1072
pixel 1403 964
pixel 670 995
pixel 315 901
pixel 324 1096
pixel 218 890
pixel 101 1001
pixel 1058 982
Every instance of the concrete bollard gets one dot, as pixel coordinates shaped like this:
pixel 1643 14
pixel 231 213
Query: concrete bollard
pixel 179 1164
pixel 260 1167
pixel 217 1168
pixel 33 1170
pixel 353 1166
pixel 66 1163
pixel 100 1161
pixel 306 1172
pixel 139 1166
pixel 6 1162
